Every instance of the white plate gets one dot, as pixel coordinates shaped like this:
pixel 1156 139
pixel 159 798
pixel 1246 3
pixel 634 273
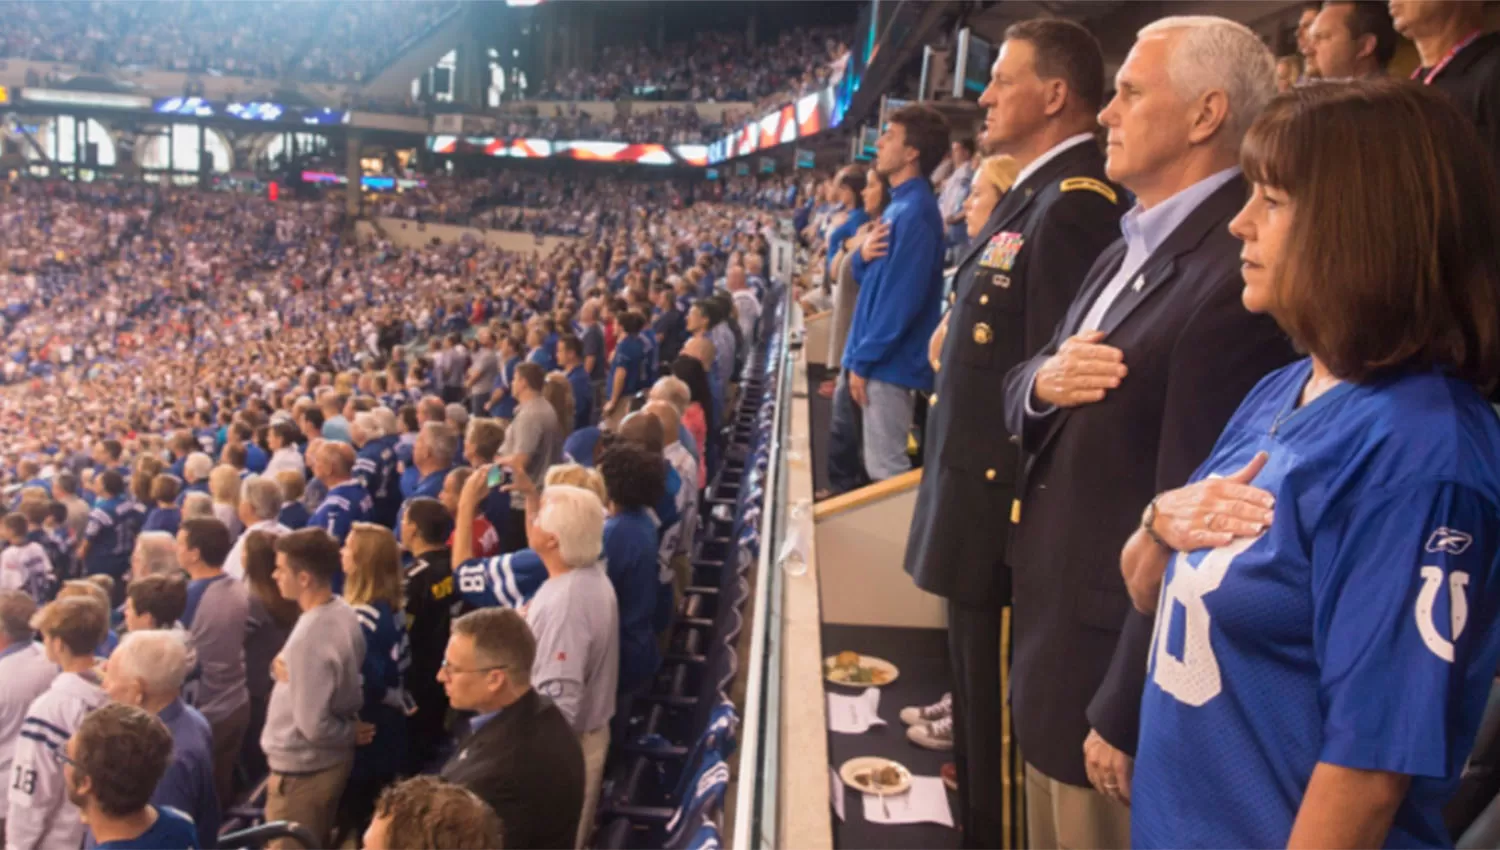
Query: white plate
pixel 868 661
pixel 853 769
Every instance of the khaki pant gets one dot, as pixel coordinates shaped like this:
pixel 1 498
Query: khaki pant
pixel 595 749
pixel 308 799
pixel 1060 816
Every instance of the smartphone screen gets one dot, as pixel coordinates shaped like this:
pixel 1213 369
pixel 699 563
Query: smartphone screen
pixel 497 475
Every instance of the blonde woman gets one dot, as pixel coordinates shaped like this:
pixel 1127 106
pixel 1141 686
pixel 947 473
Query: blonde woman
pixel 224 487
pixel 372 585
pixel 575 475
pixel 993 178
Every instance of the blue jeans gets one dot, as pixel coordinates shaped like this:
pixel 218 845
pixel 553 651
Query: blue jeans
pixel 846 469
pixel 887 424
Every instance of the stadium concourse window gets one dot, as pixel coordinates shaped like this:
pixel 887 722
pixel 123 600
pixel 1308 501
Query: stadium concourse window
pixel 289 146
pixel 67 140
pixel 176 149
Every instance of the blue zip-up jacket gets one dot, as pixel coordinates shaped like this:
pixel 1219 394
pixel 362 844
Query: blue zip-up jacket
pixel 900 294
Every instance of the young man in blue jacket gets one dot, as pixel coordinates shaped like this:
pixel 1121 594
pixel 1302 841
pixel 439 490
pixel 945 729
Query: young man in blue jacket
pixel 900 270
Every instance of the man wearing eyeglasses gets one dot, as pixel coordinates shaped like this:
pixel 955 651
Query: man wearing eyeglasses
pixel 520 755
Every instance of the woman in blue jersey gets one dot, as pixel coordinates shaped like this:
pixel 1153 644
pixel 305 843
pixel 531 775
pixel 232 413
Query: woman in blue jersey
pixel 372 585
pixel 1325 589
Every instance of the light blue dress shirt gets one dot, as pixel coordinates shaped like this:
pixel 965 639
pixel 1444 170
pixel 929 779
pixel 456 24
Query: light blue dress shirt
pixel 1144 232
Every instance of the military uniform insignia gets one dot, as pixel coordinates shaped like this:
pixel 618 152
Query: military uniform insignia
pixel 1089 184
pixel 1001 251
pixel 983 334
pixel 1001 280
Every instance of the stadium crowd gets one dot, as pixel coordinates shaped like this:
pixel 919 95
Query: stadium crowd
pixel 259 470
pixel 569 203
pixel 711 67
pixel 401 530
pixel 320 41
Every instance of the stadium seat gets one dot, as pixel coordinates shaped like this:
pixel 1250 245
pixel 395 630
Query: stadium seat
pixel 1480 785
pixel 260 836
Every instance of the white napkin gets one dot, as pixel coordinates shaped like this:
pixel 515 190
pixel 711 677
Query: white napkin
pixel 926 802
pixel 856 714
pixel 836 791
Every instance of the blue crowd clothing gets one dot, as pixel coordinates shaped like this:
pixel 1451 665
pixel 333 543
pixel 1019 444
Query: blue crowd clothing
pixel 900 294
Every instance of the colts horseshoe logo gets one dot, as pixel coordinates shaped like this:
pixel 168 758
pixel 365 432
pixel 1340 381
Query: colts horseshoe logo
pixel 1458 610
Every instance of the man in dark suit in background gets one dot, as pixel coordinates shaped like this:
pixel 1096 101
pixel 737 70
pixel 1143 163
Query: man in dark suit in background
pixel 1125 401
pixel 520 756
pixel 1013 284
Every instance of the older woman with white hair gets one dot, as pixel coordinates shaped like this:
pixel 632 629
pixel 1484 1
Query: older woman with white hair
pixel 260 503
pixel 155 554
pixel 197 505
pixel 195 472
pixel 147 670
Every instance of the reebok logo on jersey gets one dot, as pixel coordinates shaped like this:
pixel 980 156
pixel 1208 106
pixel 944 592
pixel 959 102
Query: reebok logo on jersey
pixel 1450 541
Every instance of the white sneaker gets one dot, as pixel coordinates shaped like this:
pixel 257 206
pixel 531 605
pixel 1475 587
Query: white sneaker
pixel 915 714
pixel 937 735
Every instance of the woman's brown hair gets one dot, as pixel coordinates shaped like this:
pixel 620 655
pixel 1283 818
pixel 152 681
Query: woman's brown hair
pixel 260 562
pixel 1392 261
pixel 147 467
pixel 559 393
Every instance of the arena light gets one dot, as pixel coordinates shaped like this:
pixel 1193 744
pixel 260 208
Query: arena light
pixel 105 100
pixel 194 107
pixel 256 111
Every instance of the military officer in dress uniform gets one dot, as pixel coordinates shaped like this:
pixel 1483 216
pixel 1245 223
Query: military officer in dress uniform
pixel 1013 285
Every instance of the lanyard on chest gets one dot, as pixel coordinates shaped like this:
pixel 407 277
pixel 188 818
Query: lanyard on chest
pixel 1447 58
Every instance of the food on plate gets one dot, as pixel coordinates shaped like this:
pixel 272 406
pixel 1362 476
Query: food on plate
pixel 846 668
pixel 887 776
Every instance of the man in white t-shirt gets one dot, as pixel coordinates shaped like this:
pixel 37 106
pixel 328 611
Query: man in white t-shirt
pixel 26 672
pixel 24 564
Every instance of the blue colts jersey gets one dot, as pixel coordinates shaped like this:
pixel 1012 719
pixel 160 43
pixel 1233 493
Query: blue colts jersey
pixel 1359 630
pixel 111 531
pixel 505 581
pixel 344 505
pixel 375 468
pixel 383 680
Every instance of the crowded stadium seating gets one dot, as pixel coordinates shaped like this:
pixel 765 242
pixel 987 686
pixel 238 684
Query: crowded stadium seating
pixel 712 66
pixel 321 41
pixel 669 779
